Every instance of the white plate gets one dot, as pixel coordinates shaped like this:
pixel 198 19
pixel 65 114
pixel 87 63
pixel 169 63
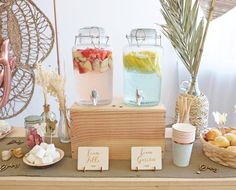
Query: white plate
pixel 61 152
pixel 5 134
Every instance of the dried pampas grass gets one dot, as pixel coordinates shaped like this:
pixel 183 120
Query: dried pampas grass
pixel 56 88
pixel 42 79
pixel 52 83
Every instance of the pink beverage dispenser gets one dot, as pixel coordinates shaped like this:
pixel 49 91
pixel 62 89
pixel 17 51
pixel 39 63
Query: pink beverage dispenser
pixel 92 61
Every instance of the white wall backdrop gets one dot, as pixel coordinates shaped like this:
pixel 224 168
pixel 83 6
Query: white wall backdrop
pixel 118 18
pixel 217 77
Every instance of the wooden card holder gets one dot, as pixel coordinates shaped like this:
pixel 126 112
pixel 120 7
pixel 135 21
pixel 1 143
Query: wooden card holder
pixel 118 127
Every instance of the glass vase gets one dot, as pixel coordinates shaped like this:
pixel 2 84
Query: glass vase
pixel 63 127
pixel 49 118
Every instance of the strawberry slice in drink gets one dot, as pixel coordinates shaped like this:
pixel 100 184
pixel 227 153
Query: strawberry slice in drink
pixel 87 52
pixel 92 59
pixel 103 54
pixel 85 67
pixel 82 66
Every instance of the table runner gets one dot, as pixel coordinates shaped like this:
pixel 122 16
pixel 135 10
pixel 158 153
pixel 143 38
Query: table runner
pixel 67 166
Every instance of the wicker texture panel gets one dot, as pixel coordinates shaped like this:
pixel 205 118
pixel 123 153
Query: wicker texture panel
pixel 31 37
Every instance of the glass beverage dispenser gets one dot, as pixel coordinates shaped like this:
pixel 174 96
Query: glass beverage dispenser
pixel 92 60
pixel 142 72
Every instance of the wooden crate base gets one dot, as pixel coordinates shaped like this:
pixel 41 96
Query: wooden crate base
pixel 117 126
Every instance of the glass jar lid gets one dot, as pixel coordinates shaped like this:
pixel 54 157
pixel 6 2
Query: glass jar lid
pixel 33 119
pixel 144 36
pixel 92 35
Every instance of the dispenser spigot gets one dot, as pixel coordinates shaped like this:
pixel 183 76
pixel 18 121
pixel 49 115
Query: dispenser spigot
pixel 139 97
pixel 94 97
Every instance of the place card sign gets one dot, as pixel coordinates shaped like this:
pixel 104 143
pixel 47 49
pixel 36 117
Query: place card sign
pixel 146 158
pixel 93 158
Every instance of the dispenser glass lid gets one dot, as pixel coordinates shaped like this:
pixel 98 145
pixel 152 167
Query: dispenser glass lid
pixel 92 35
pixel 144 36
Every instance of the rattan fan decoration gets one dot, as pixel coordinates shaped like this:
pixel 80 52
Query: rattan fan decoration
pixel 221 7
pixel 31 38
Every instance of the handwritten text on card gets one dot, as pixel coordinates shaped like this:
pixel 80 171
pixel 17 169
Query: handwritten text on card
pixel 146 158
pixel 93 158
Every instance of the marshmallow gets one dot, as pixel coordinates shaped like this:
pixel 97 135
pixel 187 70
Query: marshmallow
pixel 51 147
pixel 35 149
pixel 55 155
pixel 47 160
pixel 43 154
pixel 31 158
pixel 38 161
pixel 40 152
pixel 44 145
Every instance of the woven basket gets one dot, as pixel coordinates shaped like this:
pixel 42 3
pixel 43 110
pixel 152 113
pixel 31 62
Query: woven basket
pixel 219 155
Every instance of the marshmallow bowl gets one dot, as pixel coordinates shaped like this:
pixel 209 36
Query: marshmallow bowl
pixel 43 155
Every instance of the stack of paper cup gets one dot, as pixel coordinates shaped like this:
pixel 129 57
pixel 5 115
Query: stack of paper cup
pixel 183 137
pixel 183 133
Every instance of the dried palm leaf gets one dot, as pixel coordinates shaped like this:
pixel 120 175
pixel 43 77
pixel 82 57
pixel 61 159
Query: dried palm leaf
pixel 186 34
pixel 222 7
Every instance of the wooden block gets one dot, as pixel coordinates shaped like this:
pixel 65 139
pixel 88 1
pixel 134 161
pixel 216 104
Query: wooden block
pixel 118 127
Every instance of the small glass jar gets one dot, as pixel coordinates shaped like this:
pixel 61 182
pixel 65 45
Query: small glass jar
pixel 142 71
pixel 49 118
pixel 35 130
pixel 92 61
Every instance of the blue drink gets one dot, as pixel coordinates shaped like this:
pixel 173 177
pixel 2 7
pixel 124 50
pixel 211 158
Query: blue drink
pixel 147 84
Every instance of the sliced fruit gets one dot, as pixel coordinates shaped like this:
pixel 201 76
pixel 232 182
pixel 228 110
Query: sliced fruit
pixel 110 62
pixel 104 65
pixel 143 61
pixel 92 59
pixel 76 54
pixel 75 63
pixel 87 52
pixel 103 55
pixel 96 65
pixel 84 67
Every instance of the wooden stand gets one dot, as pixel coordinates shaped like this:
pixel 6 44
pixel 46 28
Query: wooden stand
pixel 118 127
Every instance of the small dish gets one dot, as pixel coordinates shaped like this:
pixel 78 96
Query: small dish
pixel 61 152
pixel 3 135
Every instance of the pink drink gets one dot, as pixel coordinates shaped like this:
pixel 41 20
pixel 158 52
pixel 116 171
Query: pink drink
pixel 93 76
pixel 86 83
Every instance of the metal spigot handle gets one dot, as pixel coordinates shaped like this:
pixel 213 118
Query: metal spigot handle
pixel 94 97
pixel 139 97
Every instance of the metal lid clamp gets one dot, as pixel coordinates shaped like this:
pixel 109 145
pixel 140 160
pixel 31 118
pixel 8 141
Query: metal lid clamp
pixel 141 36
pixel 94 35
